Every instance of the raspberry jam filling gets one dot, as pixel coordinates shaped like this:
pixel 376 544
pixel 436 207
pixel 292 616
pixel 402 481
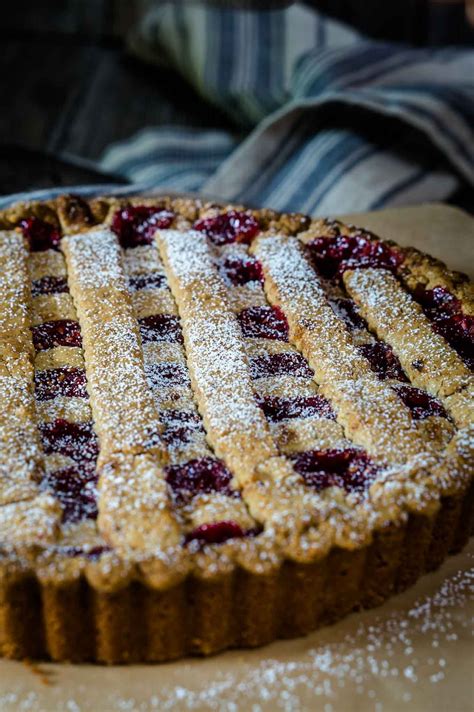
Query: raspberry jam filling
pixel 287 363
pixel 218 533
pixel 347 311
pixel 40 234
pixel 242 270
pixel 420 403
pixel 264 323
pixel 199 476
pixel 136 225
pixel 49 285
pixel 76 440
pixel 161 327
pixel 165 374
pixel 63 332
pixel 332 256
pixel 76 492
pixel 233 226
pixel 383 361
pixel 277 409
pixel 153 280
pixel 70 382
pixel 350 469
pixel 180 426
pixel 445 311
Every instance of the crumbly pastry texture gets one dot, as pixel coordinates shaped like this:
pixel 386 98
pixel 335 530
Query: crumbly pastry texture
pixel 219 426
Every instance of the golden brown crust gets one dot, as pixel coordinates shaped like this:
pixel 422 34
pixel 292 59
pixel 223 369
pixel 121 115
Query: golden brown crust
pixel 75 623
pixel 245 592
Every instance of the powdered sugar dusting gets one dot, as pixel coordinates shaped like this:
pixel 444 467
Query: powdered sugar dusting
pixel 366 407
pixel 14 291
pixel 192 465
pixel 20 455
pixel 214 345
pixel 427 358
pixel 95 256
pixel 124 412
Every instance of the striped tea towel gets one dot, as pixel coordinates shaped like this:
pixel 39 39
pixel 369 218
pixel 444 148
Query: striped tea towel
pixel 326 121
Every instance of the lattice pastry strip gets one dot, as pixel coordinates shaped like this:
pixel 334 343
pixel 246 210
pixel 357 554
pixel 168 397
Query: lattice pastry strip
pixel 20 453
pixel 62 404
pixel 369 410
pixel 124 414
pixel 131 455
pixel 281 395
pixel 274 492
pixel 425 356
pixel 27 515
pixel 331 256
pixel 203 489
pixel 235 425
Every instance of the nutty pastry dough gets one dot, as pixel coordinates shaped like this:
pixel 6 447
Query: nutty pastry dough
pixel 219 426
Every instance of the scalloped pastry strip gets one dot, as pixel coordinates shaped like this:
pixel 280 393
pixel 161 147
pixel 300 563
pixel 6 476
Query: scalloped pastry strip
pixel 426 357
pixel 369 410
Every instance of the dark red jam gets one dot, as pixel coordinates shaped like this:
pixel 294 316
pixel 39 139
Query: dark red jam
pixel 40 234
pixel 49 285
pixel 218 533
pixel 420 403
pixel 264 323
pixel 152 280
pixel 63 332
pixel 241 270
pixel 233 226
pixel 76 440
pixel 161 327
pixel 347 311
pixel 179 426
pixel 332 256
pixel 350 469
pixel 277 409
pixel 76 492
pixel 383 361
pixel 70 382
pixel 136 225
pixel 162 375
pixel 199 476
pixel 287 363
pixel 445 311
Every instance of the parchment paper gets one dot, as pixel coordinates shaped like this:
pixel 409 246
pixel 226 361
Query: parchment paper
pixel 413 653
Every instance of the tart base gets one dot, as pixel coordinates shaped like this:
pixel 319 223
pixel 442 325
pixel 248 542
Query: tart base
pixel 76 623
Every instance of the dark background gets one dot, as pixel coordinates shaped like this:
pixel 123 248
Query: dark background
pixel 69 88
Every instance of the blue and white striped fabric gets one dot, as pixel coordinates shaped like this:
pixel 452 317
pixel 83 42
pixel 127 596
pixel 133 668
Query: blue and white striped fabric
pixel 325 120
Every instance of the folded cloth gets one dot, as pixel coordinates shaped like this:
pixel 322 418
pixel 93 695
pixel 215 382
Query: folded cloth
pixel 331 121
